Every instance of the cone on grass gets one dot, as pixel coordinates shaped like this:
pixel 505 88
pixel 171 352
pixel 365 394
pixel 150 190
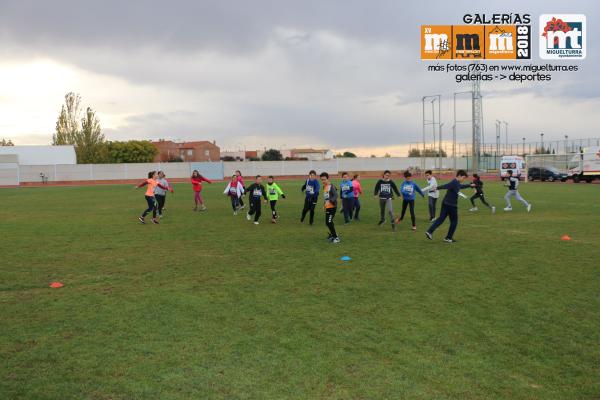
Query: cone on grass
pixel 56 285
pixel 565 238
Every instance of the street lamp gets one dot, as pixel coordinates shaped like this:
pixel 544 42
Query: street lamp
pixel 498 125
pixel 542 136
pixel 440 146
pixel 432 121
pixel 523 147
pixel 506 134
pixel 566 143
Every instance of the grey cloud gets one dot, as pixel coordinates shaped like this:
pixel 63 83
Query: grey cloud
pixel 288 84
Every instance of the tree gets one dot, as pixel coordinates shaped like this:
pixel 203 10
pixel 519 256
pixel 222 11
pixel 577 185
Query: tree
pixel 346 154
pixel 90 144
pixel 133 151
pixel 67 125
pixel 272 155
pixel 5 142
pixel 414 152
pixel 426 153
pixel 542 150
pixel 83 133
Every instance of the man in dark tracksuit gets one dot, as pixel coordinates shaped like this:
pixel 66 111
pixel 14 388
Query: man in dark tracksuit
pixel 255 192
pixel 330 196
pixel 311 189
pixel 449 206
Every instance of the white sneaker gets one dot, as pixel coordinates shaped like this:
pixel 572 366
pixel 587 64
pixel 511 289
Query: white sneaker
pixel 528 207
pixel 248 217
pixel 474 209
pixel 493 210
pixel 235 213
pixel 432 220
pixel 336 240
pixel 508 209
pixel 256 222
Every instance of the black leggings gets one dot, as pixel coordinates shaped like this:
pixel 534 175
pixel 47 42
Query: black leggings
pixel 255 208
pixel 356 207
pixel 273 203
pixel 235 202
pixel 309 206
pixel 329 214
pixel 160 201
pixel 151 206
pixel 481 197
pixel 411 205
pixel 348 204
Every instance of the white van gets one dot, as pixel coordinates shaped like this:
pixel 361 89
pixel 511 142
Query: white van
pixel 585 166
pixel 514 163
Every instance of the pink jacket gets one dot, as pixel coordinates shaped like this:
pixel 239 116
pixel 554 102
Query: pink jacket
pixel 357 188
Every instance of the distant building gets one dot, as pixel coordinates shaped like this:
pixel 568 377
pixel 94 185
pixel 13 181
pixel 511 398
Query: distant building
pixel 312 154
pixel 41 155
pixel 187 151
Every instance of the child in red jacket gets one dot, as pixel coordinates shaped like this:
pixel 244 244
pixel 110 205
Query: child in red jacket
pixel 197 180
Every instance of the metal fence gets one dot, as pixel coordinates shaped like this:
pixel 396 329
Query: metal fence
pixel 569 164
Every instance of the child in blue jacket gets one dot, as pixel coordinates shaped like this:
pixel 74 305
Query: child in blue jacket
pixel 408 188
pixel 347 192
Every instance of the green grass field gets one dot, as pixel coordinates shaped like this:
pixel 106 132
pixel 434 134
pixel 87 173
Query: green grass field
pixel 209 306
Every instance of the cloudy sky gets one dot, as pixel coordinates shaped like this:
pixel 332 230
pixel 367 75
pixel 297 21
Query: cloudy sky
pixel 325 73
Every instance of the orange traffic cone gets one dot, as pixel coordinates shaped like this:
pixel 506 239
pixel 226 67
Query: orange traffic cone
pixel 565 237
pixel 56 285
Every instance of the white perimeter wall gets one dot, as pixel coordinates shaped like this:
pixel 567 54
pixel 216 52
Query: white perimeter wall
pixel 94 172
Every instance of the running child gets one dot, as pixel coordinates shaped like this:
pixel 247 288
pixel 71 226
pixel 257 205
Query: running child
pixel 330 197
pixel 479 194
pixel 408 189
pixel 385 189
pixel 161 194
pixel 357 192
pixel 241 180
pixel 255 192
pixel 234 190
pixel 449 206
pixel 432 195
pixel 311 190
pixel 347 192
pixel 273 193
pixel 513 191
pixel 152 183
pixel 197 180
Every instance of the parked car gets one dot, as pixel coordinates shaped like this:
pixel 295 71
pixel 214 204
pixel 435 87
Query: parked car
pixel 549 174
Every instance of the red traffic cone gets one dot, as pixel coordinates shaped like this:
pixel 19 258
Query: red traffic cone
pixel 565 237
pixel 56 285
